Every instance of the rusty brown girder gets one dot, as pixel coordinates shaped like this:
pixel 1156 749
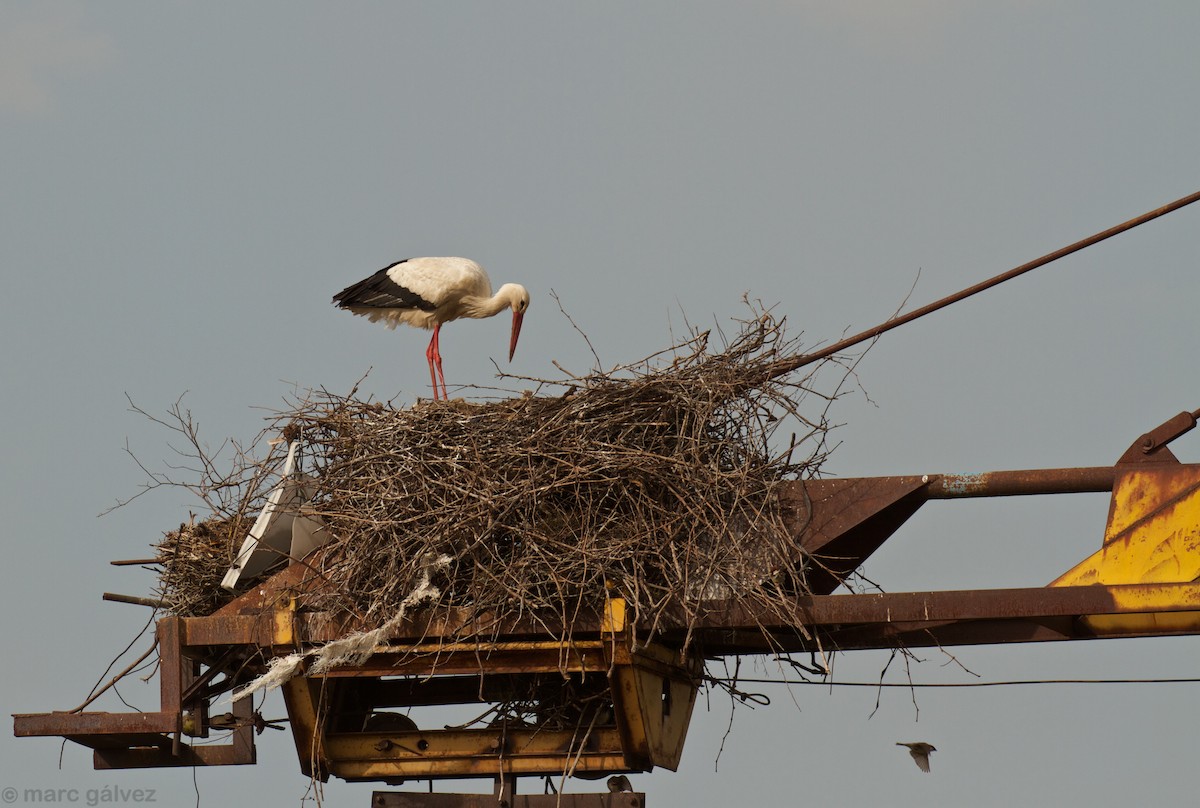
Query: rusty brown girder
pixel 154 739
pixel 951 618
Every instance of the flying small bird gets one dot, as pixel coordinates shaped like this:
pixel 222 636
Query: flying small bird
pixel 426 292
pixel 920 753
pixel 619 783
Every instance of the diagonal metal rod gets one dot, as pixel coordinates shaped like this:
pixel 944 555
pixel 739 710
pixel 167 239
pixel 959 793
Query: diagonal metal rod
pixel 788 365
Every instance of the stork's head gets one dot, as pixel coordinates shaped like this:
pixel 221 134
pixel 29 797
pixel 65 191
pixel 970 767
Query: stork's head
pixel 518 300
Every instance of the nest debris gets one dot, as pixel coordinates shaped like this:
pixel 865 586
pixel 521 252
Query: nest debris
pixel 192 562
pixel 653 482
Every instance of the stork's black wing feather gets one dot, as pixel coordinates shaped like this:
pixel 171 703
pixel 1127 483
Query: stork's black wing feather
pixel 381 292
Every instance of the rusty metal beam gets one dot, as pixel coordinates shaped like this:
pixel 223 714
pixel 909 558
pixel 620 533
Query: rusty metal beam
pixel 172 676
pixel 858 621
pixel 815 611
pixel 921 634
pixel 463 624
pixel 150 739
pixel 967 617
pixel 239 752
pixel 975 604
pixel 574 656
pixel 98 729
pixel 1025 482
pixel 144 758
pixel 1019 482
pixel 400 799
pixel 125 740
pixel 220 630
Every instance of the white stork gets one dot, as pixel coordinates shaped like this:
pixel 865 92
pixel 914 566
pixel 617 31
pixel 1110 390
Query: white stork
pixel 426 292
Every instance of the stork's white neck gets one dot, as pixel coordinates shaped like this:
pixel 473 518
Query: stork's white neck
pixel 509 296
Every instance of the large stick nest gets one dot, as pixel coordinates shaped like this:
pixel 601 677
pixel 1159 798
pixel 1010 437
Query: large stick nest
pixel 654 482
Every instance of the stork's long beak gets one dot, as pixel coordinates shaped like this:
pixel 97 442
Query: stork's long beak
pixel 518 316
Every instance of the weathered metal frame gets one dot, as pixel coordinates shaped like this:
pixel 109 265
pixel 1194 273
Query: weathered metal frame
pixel 154 739
pixel 652 695
pixel 841 622
pixel 1129 592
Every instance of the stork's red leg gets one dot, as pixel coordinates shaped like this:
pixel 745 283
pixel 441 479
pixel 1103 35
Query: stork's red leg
pixel 437 358
pixel 431 353
pixel 434 355
pixel 442 376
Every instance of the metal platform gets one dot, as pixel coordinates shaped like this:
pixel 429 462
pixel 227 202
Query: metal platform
pixel 605 702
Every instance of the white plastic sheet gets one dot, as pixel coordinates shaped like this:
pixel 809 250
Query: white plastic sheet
pixel 282 531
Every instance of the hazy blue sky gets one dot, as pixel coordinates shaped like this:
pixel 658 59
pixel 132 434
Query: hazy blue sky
pixel 186 185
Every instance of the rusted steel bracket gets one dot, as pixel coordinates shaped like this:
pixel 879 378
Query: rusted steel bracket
pixel 155 739
pixel 1152 447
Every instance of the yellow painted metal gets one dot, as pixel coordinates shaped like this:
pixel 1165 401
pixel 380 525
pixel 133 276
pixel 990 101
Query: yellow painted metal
pixel 1155 597
pixel 553 764
pixel 302 698
pixel 1138 493
pixel 1150 624
pixel 651 690
pixel 613 620
pixel 1153 533
pixel 434 648
pixel 1148 610
pixel 285 625
pixel 577 656
pixel 447 753
pixel 653 697
pixel 1152 537
pixel 480 767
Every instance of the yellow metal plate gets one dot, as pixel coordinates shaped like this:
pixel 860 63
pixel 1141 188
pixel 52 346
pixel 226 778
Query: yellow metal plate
pixel 1153 534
